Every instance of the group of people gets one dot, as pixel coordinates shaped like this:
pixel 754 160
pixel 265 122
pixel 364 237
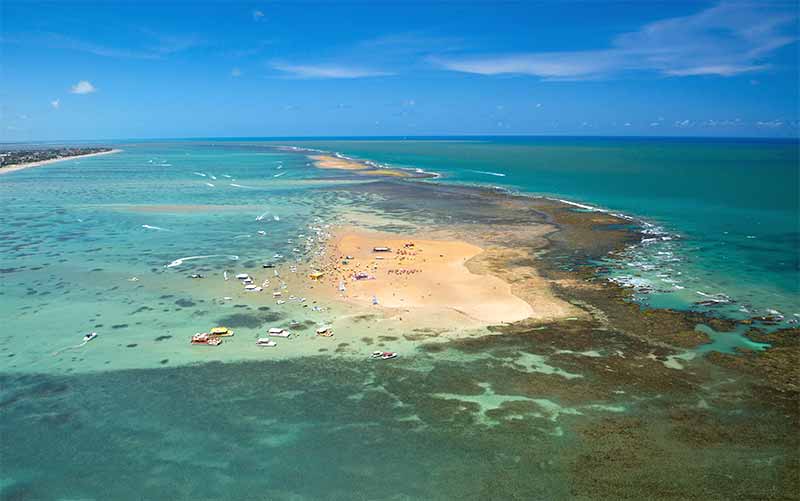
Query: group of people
pixel 403 271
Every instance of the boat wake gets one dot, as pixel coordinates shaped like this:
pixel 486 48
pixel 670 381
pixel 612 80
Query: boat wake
pixel 180 261
pixel 151 227
pixel 488 173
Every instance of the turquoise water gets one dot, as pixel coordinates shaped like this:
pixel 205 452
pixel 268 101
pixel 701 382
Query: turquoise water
pixel 101 244
pixel 725 212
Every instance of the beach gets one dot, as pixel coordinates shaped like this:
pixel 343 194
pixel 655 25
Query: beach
pixel 18 167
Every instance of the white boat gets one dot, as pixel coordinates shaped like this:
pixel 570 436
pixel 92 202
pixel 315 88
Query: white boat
pixel 265 342
pixel 278 332
pixel 341 286
pixel 280 301
pixel 383 355
pixel 325 330
pixel 242 276
pixel 89 337
pixel 251 287
pixel 261 232
pixel 247 281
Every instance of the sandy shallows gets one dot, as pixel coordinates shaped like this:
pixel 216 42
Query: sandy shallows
pixel 429 281
pixel 331 162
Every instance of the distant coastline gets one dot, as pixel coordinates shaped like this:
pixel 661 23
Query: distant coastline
pixel 22 166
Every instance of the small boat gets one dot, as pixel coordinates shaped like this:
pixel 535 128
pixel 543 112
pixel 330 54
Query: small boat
pixel 89 337
pixel 277 294
pixel 278 332
pixel 383 355
pixel 266 342
pixel 374 300
pixel 381 249
pixel 252 288
pixel 242 276
pixel 221 331
pixel 267 265
pixel 206 338
pixel 261 232
pixel 325 331
pixel 316 275
pixel 341 286
pixel 247 281
pixel 280 301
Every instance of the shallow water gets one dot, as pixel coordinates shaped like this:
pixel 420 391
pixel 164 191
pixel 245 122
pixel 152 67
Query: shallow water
pixel 139 414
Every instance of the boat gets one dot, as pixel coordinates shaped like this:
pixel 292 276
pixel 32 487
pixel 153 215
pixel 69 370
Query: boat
pixel 221 331
pixel 381 249
pixel 341 286
pixel 267 265
pixel 374 299
pixel 278 332
pixel 325 331
pixel 265 342
pixel 316 275
pixel 89 337
pixel 247 281
pixel 242 276
pixel 250 287
pixel 383 355
pixel 206 338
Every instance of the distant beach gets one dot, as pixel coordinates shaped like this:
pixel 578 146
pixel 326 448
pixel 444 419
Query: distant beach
pixel 17 167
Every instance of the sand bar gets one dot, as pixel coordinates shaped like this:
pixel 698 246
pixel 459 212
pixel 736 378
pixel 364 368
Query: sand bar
pixel 430 278
pixel 16 167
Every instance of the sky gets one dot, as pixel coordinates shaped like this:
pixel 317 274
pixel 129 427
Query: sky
pixel 160 69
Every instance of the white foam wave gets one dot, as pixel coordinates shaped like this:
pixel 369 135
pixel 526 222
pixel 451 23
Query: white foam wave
pixel 181 260
pixel 151 227
pixel 489 173
pixel 209 184
pixel 199 174
pixel 279 174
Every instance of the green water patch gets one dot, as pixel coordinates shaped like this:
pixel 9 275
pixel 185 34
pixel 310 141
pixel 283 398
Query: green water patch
pixel 729 342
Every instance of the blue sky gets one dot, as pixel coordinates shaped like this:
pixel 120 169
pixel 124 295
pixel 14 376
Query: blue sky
pixel 126 69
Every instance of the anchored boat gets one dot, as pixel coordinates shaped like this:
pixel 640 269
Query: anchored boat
pixel 383 355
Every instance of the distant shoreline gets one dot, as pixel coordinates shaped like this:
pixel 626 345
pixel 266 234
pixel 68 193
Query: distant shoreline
pixel 18 167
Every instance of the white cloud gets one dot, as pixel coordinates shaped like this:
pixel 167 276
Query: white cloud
pixel 726 40
pixel 327 71
pixel 258 15
pixel 83 87
pixel 236 72
pixel 55 103
pixel 152 46
pixel 770 124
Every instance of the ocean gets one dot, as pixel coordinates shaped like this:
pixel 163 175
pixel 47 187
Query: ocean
pixel 110 244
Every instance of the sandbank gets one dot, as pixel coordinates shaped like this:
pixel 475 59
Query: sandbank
pixel 426 277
